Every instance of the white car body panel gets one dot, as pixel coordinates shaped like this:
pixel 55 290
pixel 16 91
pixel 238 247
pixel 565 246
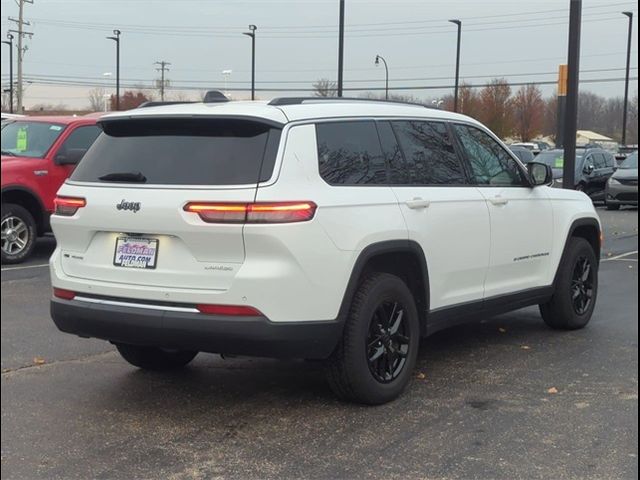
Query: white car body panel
pixel 299 272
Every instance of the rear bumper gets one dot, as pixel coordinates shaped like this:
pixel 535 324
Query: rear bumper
pixel 253 336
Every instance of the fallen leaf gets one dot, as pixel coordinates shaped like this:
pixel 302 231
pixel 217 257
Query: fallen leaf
pixel 421 376
pixel 552 390
pixel 39 361
pixel 502 330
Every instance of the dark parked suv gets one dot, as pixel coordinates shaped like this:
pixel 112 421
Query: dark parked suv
pixel 594 166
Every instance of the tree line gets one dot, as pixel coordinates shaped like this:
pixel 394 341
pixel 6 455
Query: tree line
pixel 524 114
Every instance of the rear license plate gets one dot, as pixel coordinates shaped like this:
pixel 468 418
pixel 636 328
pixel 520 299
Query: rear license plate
pixel 136 252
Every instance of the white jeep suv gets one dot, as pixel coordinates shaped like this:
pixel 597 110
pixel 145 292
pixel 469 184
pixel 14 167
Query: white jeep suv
pixel 340 230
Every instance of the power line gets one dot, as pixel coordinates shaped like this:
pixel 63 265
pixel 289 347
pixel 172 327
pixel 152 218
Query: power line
pixel 81 83
pixel 198 32
pixel 412 79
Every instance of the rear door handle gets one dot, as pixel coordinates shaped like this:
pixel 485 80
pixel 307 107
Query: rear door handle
pixel 417 203
pixel 499 200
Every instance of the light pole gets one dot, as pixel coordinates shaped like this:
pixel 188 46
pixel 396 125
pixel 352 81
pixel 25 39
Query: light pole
pixel 252 33
pixel 9 42
pixel 455 92
pixel 226 74
pixel 386 69
pixel 340 48
pixel 626 81
pixel 116 38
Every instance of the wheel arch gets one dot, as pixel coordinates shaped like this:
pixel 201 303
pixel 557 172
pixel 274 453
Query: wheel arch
pixel 28 199
pixel 403 258
pixel 588 229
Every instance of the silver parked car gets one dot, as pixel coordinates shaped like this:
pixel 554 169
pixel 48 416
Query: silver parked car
pixel 622 186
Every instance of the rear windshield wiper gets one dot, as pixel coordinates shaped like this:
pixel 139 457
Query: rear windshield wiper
pixel 134 177
pixel 8 153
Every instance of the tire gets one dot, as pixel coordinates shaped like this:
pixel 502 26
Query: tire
pixel 562 312
pixel 613 206
pixel 154 358
pixel 19 233
pixel 373 316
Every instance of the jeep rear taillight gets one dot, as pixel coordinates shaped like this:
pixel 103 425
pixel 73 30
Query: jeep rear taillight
pixel 261 212
pixel 68 206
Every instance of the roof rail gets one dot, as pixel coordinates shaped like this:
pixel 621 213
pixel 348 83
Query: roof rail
pixel 152 103
pixel 282 101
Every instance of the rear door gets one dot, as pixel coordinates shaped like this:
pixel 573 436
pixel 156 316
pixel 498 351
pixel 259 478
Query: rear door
pixel 521 216
pixel 137 179
pixel 446 215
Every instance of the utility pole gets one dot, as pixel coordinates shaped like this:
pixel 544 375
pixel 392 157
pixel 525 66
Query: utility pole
pixel 20 21
pixel 571 113
pixel 626 80
pixel 341 48
pixel 9 42
pixel 164 67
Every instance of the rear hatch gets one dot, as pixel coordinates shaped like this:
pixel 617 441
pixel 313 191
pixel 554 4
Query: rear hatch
pixel 136 181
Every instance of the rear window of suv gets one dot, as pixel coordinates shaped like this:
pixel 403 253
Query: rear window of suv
pixel 183 151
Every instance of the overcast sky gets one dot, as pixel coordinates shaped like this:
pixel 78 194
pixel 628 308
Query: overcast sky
pixel 297 44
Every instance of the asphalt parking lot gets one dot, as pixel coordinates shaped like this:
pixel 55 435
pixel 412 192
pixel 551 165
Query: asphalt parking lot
pixel 506 398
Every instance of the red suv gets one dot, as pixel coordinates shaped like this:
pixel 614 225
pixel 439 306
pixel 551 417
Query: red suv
pixel 38 154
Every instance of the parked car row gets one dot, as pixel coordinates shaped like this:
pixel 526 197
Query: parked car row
pixel 596 173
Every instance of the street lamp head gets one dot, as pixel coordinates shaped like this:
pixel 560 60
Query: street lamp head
pixel 117 32
pixel 115 39
pixel 9 36
pixel 628 14
pixel 456 21
pixel 253 28
pixel 377 59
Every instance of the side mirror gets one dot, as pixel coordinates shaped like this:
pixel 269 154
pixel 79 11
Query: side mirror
pixel 540 173
pixel 70 157
pixel 588 169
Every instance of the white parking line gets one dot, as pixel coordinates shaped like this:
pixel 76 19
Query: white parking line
pixel 26 267
pixel 621 257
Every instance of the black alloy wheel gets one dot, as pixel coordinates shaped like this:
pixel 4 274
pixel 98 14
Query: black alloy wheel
pixel 388 342
pixel 582 285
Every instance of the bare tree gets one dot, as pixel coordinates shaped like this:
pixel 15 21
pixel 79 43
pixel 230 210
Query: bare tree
pixel 496 107
pixel 325 88
pixel 528 112
pixel 468 101
pixel 96 99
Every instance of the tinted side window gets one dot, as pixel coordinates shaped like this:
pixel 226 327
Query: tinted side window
pixel 390 149
pixel 599 160
pixel 80 139
pixel 610 159
pixel 429 157
pixel 490 163
pixel 349 153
